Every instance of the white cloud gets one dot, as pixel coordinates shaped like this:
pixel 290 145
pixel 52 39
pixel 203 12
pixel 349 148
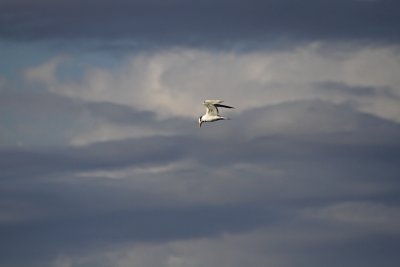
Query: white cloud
pixel 46 72
pixel 175 82
pixel 102 131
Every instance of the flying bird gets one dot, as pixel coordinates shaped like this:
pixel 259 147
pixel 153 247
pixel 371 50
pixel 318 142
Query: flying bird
pixel 212 113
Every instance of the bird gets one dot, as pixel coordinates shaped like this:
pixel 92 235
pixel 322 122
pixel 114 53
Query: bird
pixel 212 113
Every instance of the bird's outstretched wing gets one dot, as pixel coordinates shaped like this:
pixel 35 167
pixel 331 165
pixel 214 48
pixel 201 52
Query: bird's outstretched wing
pixel 211 108
pixel 213 105
pixel 213 102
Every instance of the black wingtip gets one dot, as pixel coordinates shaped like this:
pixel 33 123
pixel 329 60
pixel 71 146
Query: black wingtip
pixel 223 106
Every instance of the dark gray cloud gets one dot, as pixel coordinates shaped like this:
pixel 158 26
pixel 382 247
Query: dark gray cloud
pixel 319 161
pixel 105 155
pixel 199 23
pixel 135 225
pixel 358 91
pixel 51 119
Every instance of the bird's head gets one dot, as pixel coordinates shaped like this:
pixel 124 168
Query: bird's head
pixel 200 121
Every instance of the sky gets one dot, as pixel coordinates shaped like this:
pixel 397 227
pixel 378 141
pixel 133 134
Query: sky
pixel 103 163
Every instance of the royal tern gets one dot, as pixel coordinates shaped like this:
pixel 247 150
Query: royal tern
pixel 212 113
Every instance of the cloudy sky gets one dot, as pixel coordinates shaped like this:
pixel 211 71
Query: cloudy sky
pixel 103 164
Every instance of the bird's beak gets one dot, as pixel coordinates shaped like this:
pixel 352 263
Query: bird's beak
pixel 200 123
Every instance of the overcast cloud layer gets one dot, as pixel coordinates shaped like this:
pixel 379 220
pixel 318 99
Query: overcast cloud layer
pixel 103 164
pixel 201 23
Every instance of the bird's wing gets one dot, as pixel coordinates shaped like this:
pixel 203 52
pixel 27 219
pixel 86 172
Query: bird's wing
pixel 211 108
pixel 213 102
pixel 213 105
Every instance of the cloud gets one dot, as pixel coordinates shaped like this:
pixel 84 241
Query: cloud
pixel 284 245
pixel 184 196
pixel 270 146
pixel 45 72
pixel 379 217
pixel 205 23
pixel 107 166
pixel 179 78
pixel 40 118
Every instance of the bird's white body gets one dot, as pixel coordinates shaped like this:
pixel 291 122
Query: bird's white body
pixel 212 113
